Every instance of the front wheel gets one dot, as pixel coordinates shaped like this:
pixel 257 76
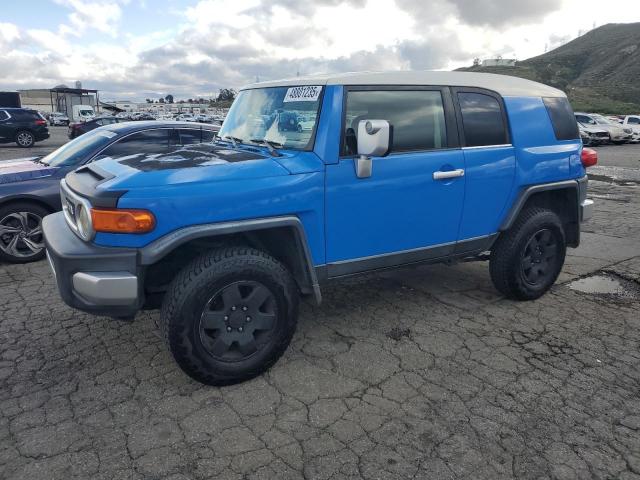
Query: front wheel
pixel 21 239
pixel 229 315
pixel 526 260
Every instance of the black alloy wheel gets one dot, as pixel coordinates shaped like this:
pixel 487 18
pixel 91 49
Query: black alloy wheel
pixel 238 321
pixel 539 257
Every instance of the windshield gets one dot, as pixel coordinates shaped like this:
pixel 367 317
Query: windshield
pixel 601 120
pixel 78 150
pixel 285 116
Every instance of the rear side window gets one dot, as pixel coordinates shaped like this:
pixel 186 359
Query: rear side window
pixel 3 115
pixel 482 119
pixel 147 142
pixel 417 118
pixel 25 115
pixel 562 118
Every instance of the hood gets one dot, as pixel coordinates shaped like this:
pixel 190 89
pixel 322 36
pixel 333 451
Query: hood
pixel 189 164
pixel 591 129
pixel 23 169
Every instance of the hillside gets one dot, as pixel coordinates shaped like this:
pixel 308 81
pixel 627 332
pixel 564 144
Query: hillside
pixel 600 71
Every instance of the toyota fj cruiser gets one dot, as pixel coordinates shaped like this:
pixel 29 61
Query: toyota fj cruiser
pixel 396 168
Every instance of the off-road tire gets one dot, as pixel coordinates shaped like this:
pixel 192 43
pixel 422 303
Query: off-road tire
pixel 506 263
pixel 192 289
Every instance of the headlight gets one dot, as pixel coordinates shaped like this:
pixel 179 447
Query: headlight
pixel 627 130
pixel 85 227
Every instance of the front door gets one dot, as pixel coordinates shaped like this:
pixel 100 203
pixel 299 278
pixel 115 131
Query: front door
pixel 409 209
pixel 5 131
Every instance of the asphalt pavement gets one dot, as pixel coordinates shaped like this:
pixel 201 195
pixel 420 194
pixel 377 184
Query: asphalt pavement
pixel 421 373
pixel 57 138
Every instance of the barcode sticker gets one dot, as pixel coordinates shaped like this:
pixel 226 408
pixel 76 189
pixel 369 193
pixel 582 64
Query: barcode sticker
pixel 308 93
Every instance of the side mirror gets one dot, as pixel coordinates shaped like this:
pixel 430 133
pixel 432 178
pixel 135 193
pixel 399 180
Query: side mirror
pixel 374 140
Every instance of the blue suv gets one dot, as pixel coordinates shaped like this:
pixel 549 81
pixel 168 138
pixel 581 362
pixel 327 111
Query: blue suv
pixel 391 169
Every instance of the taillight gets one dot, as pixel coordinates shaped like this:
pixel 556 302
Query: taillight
pixel 41 122
pixel 122 220
pixel 589 157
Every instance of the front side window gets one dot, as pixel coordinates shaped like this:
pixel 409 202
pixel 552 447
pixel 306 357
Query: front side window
pixel 482 120
pixel 416 117
pixel 77 151
pixel 633 121
pixel 189 136
pixel 285 116
pixel 147 142
pixel 208 136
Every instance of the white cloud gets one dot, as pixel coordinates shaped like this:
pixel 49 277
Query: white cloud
pixel 227 43
pixel 101 16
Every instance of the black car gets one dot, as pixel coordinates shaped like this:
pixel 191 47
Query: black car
pixel 22 126
pixel 77 129
pixel 30 187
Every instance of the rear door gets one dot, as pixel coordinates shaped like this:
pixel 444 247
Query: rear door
pixel 402 213
pixel 489 159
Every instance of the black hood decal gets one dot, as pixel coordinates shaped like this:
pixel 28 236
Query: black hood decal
pixel 201 155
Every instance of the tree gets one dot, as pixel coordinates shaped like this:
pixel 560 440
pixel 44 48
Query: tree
pixel 149 100
pixel 169 98
pixel 476 62
pixel 161 100
pixel 226 95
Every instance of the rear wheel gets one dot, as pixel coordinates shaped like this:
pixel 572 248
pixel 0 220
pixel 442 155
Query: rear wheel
pixel 526 260
pixel 229 315
pixel 21 239
pixel 25 139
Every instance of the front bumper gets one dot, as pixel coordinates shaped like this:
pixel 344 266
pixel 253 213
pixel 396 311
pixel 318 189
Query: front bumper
pixel 99 280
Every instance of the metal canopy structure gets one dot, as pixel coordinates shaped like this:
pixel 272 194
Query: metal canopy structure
pixel 60 94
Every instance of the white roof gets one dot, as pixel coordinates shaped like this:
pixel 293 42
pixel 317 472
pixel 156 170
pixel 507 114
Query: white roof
pixel 505 85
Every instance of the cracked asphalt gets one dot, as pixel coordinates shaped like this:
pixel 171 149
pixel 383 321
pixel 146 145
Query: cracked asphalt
pixel 420 373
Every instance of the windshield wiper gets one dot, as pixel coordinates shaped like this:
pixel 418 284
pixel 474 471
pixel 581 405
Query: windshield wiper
pixel 269 145
pixel 234 140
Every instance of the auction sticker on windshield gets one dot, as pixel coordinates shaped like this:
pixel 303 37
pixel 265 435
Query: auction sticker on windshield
pixel 308 93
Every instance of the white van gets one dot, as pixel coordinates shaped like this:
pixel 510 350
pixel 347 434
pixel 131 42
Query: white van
pixel 83 113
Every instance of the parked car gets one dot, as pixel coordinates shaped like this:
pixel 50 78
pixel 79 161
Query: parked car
pixel 185 117
pixel 593 136
pixel 30 187
pixel 633 122
pixel 401 168
pixel 23 126
pixel 618 134
pixel 202 118
pixel 58 118
pixel 77 129
pixel 141 116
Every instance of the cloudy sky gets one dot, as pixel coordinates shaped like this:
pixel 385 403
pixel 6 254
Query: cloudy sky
pixel 134 49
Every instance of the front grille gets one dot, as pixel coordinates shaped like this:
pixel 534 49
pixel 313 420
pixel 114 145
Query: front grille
pixel 601 134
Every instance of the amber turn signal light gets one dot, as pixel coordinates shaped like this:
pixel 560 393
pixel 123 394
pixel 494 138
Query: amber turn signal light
pixel 122 220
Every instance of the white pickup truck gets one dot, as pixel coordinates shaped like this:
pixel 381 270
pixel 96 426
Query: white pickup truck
pixel 633 122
